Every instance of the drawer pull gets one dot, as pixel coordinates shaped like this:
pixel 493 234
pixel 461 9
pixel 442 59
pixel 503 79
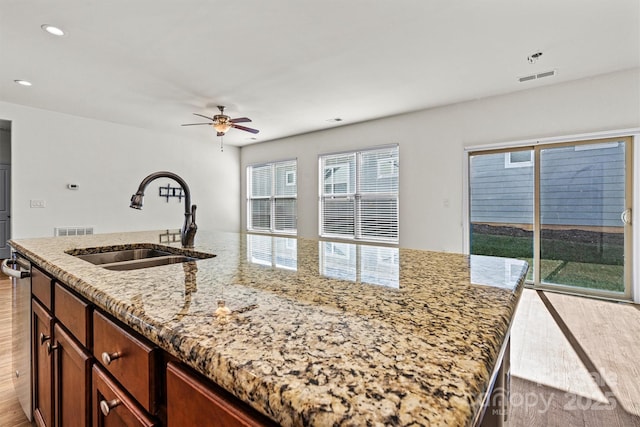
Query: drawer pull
pixel 44 338
pixel 50 348
pixel 107 406
pixel 108 358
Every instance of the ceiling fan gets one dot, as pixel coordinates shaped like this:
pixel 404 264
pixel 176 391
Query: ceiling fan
pixel 222 123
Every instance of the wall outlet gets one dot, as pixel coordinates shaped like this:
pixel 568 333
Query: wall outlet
pixel 38 203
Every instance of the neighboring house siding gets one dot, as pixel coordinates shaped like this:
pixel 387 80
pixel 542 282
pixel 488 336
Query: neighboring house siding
pixel 578 187
pixel 500 194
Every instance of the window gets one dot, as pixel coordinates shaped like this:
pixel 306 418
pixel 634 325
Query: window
pixel 272 197
pixel 359 195
pixel 518 159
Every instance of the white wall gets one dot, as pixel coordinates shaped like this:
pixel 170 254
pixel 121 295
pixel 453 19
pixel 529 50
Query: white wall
pixel 108 161
pixel 432 148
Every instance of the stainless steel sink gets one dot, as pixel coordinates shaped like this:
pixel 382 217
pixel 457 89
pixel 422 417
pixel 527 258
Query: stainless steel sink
pixel 137 256
pixel 146 263
pixel 124 255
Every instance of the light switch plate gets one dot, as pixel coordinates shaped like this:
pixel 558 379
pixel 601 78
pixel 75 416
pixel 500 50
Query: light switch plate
pixel 38 203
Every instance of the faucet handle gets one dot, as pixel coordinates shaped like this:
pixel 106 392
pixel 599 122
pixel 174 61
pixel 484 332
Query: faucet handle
pixel 193 214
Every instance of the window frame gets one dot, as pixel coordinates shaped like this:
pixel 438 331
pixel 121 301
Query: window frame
pixel 508 163
pixel 357 196
pixel 272 197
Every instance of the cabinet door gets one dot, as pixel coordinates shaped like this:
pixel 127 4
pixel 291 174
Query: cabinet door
pixel 72 380
pixel 42 325
pixel 191 401
pixel 113 407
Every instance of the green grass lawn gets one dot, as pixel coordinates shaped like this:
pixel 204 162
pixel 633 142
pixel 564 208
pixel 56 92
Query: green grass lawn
pixel 594 266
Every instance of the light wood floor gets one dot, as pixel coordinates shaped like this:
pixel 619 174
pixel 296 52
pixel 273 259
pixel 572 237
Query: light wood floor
pixel 575 362
pixel 11 414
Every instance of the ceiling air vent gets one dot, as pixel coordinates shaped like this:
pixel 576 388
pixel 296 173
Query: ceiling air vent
pixel 537 76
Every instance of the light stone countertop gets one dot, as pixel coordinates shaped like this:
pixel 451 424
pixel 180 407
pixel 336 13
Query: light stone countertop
pixel 320 333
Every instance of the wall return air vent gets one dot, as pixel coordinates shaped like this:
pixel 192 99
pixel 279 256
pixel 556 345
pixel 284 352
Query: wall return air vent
pixel 72 231
pixel 537 76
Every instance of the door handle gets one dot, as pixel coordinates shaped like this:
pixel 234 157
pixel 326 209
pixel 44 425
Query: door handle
pixel 625 216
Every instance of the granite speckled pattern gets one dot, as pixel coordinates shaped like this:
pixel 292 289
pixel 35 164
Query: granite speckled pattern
pixel 311 332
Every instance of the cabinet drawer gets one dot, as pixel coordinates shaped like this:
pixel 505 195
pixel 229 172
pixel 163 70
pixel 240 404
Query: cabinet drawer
pixel 193 401
pixel 114 407
pixel 74 313
pixel 41 287
pixel 130 360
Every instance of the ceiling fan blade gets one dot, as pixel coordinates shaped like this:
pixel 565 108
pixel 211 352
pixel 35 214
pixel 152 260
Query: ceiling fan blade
pixel 196 124
pixel 196 114
pixel 240 120
pixel 245 128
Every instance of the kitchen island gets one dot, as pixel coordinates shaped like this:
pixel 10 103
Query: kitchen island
pixel 312 332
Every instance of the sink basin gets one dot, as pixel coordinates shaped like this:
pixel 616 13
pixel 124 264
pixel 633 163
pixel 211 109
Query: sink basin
pixel 124 255
pixel 146 263
pixel 133 257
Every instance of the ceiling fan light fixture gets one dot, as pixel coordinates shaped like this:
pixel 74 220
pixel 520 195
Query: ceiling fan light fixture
pixel 222 127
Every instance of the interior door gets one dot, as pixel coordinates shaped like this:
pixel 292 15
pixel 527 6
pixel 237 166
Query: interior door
pixel 5 210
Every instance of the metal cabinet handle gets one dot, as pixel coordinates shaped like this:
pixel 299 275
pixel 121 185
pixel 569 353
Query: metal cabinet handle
pixel 50 348
pixel 44 338
pixel 107 406
pixel 107 358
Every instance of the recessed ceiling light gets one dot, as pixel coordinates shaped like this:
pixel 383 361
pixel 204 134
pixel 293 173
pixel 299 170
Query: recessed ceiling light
pixel 23 82
pixel 52 30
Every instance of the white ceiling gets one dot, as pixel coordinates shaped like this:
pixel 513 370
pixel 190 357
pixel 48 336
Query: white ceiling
pixel 291 65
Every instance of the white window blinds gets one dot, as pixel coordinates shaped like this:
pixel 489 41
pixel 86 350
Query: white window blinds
pixel 359 195
pixel 271 197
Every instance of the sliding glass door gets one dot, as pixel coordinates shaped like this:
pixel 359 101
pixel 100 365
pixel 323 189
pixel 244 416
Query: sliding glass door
pixel 564 208
pixel 501 188
pixel 585 202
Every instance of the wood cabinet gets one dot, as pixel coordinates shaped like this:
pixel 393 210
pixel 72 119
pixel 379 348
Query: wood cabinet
pixel 61 365
pixel 74 313
pixel 42 372
pixel 129 359
pixel 42 287
pixel 72 379
pixel 89 369
pixel 195 401
pixel 68 393
pixel 112 406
